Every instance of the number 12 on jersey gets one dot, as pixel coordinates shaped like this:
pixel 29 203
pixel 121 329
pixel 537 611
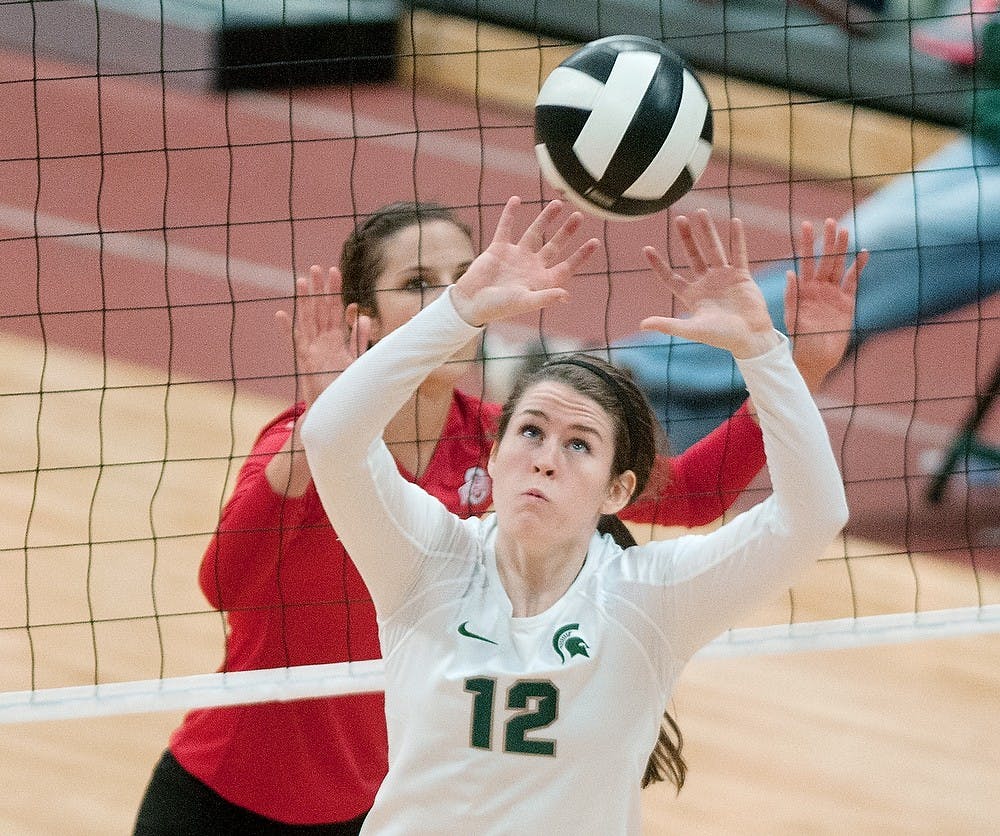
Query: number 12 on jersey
pixel 535 703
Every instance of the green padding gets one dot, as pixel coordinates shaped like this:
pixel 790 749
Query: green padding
pixel 986 98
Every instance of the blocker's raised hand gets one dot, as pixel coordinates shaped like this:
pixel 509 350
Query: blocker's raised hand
pixel 513 277
pixel 727 309
pixel 325 344
pixel 820 299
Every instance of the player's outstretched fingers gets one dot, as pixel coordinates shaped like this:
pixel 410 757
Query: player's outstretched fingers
pixel 676 283
pixel 831 262
pixel 707 238
pixel 807 252
pixel 324 285
pixel 572 263
pixel 551 252
pixel 741 257
pixel 853 273
pixel 534 236
pixel 682 224
pixel 504 231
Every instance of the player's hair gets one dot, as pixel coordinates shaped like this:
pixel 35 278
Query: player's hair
pixel 361 259
pixel 635 449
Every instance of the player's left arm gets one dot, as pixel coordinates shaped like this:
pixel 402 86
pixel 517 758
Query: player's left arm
pixel 698 486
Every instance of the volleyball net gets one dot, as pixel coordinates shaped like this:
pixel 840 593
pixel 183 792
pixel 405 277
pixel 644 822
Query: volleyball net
pixel 170 167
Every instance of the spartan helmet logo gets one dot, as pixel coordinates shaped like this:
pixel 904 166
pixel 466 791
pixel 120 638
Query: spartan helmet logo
pixel 476 488
pixel 568 645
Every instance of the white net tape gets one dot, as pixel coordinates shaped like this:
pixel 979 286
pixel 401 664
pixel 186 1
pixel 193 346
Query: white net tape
pixel 283 684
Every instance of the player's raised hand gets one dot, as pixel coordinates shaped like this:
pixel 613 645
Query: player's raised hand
pixel 726 308
pixel 325 343
pixel 517 275
pixel 819 301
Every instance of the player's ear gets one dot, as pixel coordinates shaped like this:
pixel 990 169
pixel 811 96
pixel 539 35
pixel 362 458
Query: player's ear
pixel 620 492
pixel 356 309
pixel 493 457
pixel 353 311
pixel 351 314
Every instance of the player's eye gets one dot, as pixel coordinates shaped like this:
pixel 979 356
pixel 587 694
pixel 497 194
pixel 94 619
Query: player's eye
pixel 531 431
pixel 417 283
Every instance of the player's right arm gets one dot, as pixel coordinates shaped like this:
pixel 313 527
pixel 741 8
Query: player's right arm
pixel 354 473
pixel 356 476
pixel 241 558
pixel 324 344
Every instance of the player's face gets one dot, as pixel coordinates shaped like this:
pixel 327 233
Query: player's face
pixel 418 263
pixel 552 469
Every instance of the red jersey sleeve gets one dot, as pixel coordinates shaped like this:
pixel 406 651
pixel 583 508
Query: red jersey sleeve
pixel 698 486
pixel 255 524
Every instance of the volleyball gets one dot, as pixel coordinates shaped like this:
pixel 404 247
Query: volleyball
pixel 623 127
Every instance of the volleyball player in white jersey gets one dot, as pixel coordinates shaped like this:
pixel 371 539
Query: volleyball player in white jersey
pixel 528 659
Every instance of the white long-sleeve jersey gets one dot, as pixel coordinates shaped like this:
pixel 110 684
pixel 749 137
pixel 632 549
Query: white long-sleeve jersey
pixel 543 724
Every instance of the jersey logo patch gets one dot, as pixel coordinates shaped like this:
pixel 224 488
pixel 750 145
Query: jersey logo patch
pixel 465 631
pixel 568 645
pixel 476 488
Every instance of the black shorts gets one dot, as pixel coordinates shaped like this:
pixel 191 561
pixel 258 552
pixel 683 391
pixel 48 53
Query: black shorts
pixel 178 804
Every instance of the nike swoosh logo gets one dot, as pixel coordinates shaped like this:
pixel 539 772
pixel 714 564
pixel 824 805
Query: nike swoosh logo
pixel 464 631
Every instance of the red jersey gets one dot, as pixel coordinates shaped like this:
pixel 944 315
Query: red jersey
pixel 292 596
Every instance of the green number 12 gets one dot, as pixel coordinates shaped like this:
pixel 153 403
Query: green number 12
pixel 536 702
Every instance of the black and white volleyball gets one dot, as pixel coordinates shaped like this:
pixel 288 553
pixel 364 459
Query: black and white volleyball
pixel 623 127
